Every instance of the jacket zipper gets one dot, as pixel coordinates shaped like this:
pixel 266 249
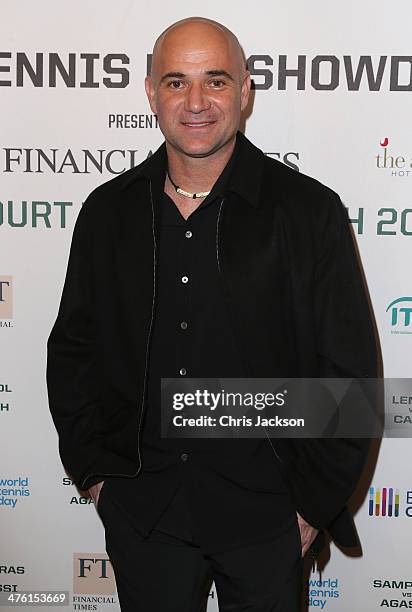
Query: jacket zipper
pixel 146 358
pixel 217 236
pixel 150 328
pixel 273 448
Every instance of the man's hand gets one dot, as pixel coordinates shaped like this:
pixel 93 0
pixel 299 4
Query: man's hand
pixel 95 491
pixel 307 534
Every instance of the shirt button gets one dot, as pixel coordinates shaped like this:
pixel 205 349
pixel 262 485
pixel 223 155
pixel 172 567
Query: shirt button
pixel 183 325
pixel 182 371
pixel 184 456
pixel 188 234
pixel 184 279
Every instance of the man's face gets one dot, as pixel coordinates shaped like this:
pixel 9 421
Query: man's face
pixel 198 89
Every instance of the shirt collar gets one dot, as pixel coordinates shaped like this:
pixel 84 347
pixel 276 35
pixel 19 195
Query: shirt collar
pixel 242 174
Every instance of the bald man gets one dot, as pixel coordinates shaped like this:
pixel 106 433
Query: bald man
pixel 210 248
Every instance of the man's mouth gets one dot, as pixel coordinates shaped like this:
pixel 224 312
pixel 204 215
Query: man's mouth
pixel 197 124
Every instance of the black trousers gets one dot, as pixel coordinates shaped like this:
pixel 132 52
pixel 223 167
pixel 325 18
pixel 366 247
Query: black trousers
pixel 164 573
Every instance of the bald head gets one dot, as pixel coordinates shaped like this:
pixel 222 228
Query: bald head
pixel 198 87
pixel 195 33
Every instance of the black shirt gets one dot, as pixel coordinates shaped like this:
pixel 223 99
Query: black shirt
pixel 231 488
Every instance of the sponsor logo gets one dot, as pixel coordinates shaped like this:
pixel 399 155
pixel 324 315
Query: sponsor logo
pixel 320 592
pixel 81 70
pixel 400 311
pixel 60 161
pixel 6 300
pixel 394 163
pixel 383 502
pixel 388 502
pixel 13 490
pixel 93 574
pixel 88 161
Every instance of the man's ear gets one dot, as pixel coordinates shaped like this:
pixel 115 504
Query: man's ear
pixel 150 92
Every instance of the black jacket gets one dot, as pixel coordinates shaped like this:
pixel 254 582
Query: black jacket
pixel 294 287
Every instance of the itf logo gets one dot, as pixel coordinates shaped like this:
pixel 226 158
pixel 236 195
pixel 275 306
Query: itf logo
pixel 400 312
pixel 383 502
pixel 6 301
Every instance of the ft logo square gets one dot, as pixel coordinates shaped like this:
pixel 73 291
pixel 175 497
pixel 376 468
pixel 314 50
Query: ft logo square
pixel 93 574
pixel 6 293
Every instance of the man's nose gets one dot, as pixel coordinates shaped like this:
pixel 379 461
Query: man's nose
pixel 196 101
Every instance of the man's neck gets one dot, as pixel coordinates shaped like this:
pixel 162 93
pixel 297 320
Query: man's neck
pixel 197 174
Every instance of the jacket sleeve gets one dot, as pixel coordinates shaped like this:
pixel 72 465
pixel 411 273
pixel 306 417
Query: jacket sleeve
pixel 346 344
pixel 72 368
pixel 327 470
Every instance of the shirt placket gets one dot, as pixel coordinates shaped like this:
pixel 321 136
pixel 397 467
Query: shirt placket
pixel 185 280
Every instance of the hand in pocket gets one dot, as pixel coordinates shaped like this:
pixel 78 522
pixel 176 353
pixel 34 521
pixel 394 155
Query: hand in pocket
pixel 95 492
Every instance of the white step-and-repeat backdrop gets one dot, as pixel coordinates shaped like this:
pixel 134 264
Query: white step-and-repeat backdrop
pixel 332 99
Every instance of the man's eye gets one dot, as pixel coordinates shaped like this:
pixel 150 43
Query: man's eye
pixel 217 82
pixel 175 84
